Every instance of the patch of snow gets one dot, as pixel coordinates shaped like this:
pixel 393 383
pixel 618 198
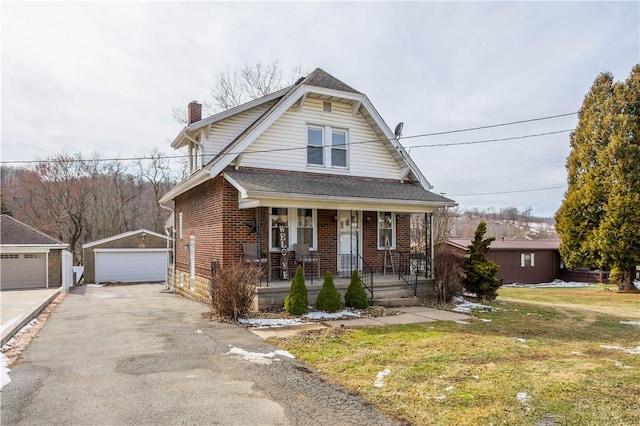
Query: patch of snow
pixel 284 353
pixel 520 339
pixel 379 382
pixel 441 398
pixel 198 331
pixel 462 322
pixel 637 284
pixel 320 315
pixel 449 388
pixel 4 371
pixel 270 323
pixel 95 285
pixel 466 307
pixel 552 284
pixel 485 320
pixel 476 377
pixel 523 397
pixel 619 364
pixel 257 357
pixel 630 322
pixel 577 353
pixel 26 327
pixel 633 351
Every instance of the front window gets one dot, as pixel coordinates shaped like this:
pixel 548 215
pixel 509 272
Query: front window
pixel 305 227
pixel 386 230
pixel 292 226
pixel 279 228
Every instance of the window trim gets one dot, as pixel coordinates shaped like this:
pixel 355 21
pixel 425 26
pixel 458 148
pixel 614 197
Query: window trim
pixel 292 224
pixel 523 260
pixel 393 230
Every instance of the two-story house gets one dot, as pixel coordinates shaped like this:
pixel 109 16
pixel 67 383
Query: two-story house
pixel 312 165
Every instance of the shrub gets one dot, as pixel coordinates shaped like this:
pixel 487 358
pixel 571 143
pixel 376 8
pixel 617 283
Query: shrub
pixel 481 272
pixel 233 289
pixel 328 298
pixel 296 302
pixel 448 276
pixel 356 296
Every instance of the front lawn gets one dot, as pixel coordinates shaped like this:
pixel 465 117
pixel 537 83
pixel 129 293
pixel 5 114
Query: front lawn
pixel 518 364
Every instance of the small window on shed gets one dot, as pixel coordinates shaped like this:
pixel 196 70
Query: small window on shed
pixel 526 260
pixel 326 106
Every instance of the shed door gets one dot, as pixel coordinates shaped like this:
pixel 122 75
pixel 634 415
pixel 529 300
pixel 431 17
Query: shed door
pixel 23 270
pixel 131 265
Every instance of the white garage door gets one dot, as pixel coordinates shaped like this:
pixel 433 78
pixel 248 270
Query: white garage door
pixel 23 270
pixel 132 265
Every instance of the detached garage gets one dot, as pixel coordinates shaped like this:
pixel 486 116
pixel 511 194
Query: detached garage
pixel 30 259
pixel 136 256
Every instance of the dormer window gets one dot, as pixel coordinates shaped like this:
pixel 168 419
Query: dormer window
pixel 327 147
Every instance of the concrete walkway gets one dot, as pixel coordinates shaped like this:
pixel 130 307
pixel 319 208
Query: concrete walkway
pixel 408 315
pixel 18 307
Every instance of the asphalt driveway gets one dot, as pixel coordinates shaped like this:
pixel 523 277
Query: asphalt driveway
pixel 133 355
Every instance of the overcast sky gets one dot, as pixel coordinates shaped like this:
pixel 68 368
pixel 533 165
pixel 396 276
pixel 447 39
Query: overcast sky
pixel 104 76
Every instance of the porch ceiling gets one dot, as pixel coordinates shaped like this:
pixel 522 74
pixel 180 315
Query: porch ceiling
pixel 273 188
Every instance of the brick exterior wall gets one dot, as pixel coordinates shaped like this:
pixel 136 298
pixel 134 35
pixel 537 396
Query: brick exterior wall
pixel 210 213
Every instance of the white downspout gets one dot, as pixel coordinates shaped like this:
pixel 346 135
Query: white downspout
pixel 170 245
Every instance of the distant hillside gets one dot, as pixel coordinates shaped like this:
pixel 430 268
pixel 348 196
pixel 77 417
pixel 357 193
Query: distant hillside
pixel 508 223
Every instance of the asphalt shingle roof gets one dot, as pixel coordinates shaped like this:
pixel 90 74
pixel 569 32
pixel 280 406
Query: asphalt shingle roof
pixel 12 231
pixel 348 187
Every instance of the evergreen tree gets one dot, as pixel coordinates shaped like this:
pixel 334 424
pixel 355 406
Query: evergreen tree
pixel 480 271
pixel 599 220
pixel 328 298
pixel 356 296
pixel 297 303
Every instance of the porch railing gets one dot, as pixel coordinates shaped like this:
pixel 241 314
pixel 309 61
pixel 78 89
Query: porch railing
pixel 347 263
pixel 410 267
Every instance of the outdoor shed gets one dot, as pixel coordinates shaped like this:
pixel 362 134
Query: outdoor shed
pixel 521 261
pixel 31 259
pixel 135 256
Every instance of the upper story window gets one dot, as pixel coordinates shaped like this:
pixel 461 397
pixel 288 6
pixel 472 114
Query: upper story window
pixel 195 156
pixel 327 146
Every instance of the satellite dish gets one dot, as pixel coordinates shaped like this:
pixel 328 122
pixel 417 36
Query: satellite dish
pixel 398 130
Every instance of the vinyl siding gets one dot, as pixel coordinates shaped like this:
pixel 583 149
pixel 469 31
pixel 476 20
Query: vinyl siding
pixel 225 131
pixel 288 135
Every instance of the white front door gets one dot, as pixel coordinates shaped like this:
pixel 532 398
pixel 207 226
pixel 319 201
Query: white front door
pixel 349 240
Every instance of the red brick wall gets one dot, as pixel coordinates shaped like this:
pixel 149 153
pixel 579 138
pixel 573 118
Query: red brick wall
pixel 210 213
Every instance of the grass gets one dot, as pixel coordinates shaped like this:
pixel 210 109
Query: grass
pixel 445 373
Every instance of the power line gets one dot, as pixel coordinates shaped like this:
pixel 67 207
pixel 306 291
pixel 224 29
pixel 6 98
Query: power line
pixel 490 140
pixel 511 191
pixel 469 129
pixel 490 126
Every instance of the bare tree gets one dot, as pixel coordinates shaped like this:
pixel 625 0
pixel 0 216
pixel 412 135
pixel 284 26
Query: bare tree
pixel 238 86
pixel 160 177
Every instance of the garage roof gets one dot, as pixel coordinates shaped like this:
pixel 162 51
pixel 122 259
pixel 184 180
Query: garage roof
pixel 123 235
pixel 13 232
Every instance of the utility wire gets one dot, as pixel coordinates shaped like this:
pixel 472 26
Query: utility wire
pixel 349 143
pixel 490 140
pixel 511 191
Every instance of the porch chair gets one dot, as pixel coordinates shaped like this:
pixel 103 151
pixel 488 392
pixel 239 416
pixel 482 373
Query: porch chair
pixel 251 254
pixel 306 257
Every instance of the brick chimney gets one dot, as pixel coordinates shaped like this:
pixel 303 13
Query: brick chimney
pixel 194 111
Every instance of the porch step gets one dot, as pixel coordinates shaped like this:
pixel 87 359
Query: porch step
pixel 395 302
